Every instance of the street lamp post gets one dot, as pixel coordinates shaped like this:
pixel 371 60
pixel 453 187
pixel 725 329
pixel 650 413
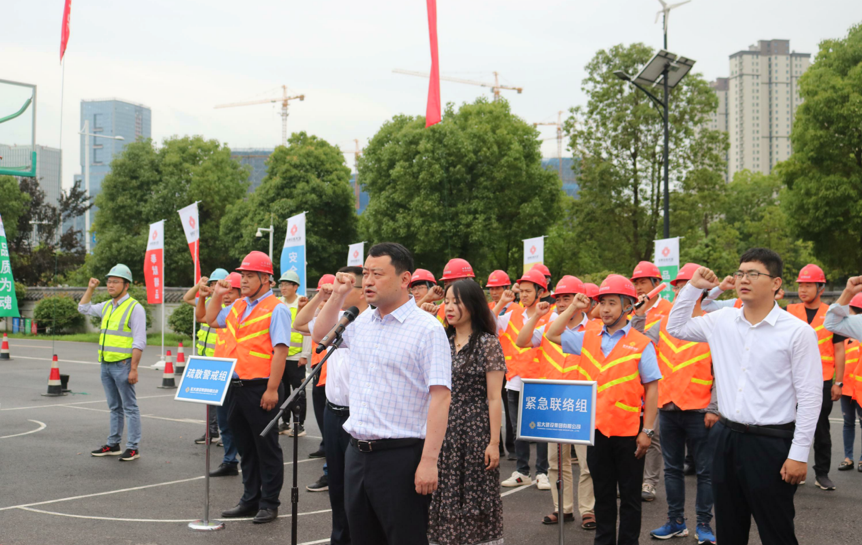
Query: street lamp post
pixel 85 132
pixel 270 230
pixel 670 68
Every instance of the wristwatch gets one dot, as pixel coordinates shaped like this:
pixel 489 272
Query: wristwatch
pixel 839 384
pixel 649 433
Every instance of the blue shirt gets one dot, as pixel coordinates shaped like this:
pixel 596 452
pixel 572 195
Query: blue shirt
pixel 279 325
pixel 572 342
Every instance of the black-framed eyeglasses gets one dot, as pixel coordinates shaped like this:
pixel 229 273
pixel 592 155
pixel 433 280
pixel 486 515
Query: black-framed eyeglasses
pixel 751 275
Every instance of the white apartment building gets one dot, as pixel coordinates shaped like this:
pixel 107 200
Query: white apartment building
pixel 757 104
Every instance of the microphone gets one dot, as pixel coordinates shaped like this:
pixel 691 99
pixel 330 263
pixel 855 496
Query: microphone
pixel 651 295
pixel 348 316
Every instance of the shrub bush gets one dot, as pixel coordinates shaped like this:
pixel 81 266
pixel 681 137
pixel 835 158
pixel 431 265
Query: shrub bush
pixel 181 320
pixel 61 308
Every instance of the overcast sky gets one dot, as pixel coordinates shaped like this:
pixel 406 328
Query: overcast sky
pixel 182 57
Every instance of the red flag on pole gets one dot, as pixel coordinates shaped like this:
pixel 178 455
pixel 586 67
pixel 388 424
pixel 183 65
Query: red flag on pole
pixel 64 32
pixel 432 110
pixel 154 261
pixel 191 226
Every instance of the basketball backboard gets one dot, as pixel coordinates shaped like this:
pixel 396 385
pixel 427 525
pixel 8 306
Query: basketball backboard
pixel 17 128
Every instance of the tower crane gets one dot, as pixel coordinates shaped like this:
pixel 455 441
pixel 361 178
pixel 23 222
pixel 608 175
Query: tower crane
pixel 559 126
pixel 284 99
pixel 495 87
pixel 356 153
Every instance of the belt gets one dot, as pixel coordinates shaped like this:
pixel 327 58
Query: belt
pixel 783 431
pixel 384 444
pixel 340 409
pixel 240 382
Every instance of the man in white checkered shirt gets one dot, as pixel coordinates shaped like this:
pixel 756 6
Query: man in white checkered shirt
pixel 400 380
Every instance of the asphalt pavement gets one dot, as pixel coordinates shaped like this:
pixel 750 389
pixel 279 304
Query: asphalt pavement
pixel 53 491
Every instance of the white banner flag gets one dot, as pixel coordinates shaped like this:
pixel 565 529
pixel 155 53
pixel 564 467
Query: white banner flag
pixel 191 226
pixel 667 261
pixel 356 255
pixel 534 252
pixel 293 253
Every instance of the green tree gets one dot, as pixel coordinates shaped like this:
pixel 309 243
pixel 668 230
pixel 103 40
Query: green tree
pixel 148 184
pixel 308 175
pixel 13 204
pixel 824 174
pixel 60 310
pixel 471 186
pixel 619 134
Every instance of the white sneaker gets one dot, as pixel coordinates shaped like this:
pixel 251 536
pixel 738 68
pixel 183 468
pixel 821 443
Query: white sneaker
pixel 517 479
pixel 542 482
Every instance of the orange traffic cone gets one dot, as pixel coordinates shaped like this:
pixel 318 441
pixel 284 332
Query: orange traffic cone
pixel 55 387
pixel 181 359
pixel 168 381
pixel 4 348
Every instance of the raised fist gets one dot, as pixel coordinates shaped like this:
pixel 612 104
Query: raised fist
pixel 728 283
pixel 704 279
pixel 436 293
pixel 430 308
pixel 581 302
pixel 94 283
pixel 343 283
pixel 301 302
pixel 507 297
pixel 221 287
pixel 543 308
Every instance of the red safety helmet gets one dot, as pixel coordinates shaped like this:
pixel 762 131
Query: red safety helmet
pixel 645 269
pixel 457 268
pixel 616 284
pixel 856 301
pixel 235 280
pixel 422 275
pixel 326 279
pixel 569 285
pixel 498 279
pixel 536 277
pixel 685 273
pixel 811 273
pixel 592 290
pixel 256 262
pixel 542 269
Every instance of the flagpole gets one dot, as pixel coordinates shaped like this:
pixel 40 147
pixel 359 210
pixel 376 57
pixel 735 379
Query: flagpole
pixel 194 279
pixel 59 216
pixel 164 291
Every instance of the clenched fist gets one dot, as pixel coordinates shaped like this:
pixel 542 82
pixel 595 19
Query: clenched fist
pixel 704 279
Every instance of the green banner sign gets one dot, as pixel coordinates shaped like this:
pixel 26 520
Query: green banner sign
pixel 8 301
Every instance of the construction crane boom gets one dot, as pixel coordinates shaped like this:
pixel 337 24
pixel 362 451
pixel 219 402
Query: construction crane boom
pixel 559 126
pixel 284 100
pixel 495 87
pixel 356 153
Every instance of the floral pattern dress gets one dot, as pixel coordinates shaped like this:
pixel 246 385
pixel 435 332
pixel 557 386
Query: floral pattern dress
pixel 467 508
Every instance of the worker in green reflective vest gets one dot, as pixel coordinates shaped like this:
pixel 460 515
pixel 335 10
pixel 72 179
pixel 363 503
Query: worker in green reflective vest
pixel 298 354
pixel 122 339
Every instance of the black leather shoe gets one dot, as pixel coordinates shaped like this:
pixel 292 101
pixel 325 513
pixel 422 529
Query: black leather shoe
pixel 240 511
pixel 320 453
pixel 225 470
pixel 265 515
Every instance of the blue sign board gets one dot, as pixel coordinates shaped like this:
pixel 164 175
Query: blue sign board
pixel 557 411
pixel 16 324
pixel 205 380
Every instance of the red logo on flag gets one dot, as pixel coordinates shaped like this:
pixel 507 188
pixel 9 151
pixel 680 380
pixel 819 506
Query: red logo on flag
pixel 293 229
pixel 666 251
pixel 355 253
pixel 533 250
pixel 155 234
pixel 191 222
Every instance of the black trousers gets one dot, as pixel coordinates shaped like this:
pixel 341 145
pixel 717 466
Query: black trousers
pixel 612 463
pixel 510 430
pixel 383 507
pixel 261 460
pixel 213 422
pixel 746 481
pixel 318 401
pixel 293 376
pixel 338 441
pixel 823 435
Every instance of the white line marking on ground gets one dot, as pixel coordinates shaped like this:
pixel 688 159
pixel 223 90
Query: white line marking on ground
pixel 41 427
pixel 14 342
pixel 78 403
pixel 118 519
pixel 504 494
pixel 59 360
pixel 109 492
pixel 315 542
pixel 180 420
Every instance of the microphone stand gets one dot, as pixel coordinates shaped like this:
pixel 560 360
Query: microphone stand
pixel 294 491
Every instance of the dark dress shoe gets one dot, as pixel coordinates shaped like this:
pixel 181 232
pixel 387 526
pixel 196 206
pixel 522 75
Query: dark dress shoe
pixel 224 470
pixel 240 511
pixel 320 453
pixel 265 515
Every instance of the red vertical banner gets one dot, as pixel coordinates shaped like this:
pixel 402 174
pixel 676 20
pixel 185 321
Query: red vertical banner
pixel 191 226
pixel 154 263
pixel 66 28
pixel 433 111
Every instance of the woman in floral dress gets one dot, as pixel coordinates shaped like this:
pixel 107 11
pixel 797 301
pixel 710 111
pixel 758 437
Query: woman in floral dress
pixel 467 508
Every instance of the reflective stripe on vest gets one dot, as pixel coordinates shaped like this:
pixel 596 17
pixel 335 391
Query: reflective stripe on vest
pixel 824 336
pixel 520 362
pixel 206 337
pixel 554 364
pixel 659 311
pixel 619 392
pixel 251 343
pixel 686 370
pixel 115 335
pixel 295 338
pixel 851 367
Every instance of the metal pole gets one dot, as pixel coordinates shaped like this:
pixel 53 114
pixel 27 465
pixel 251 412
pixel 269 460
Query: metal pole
pixel 271 231
pixel 87 183
pixel 194 317
pixel 205 524
pixel 666 157
pixel 560 490
pixel 294 491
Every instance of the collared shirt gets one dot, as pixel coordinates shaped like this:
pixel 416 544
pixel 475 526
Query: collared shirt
pixel 572 341
pixel 838 320
pixel 537 341
pixel 502 323
pixel 137 321
pixel 306 339
pixel 709 303
pixel 394 359
pixel 337 372
pixel 765 374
